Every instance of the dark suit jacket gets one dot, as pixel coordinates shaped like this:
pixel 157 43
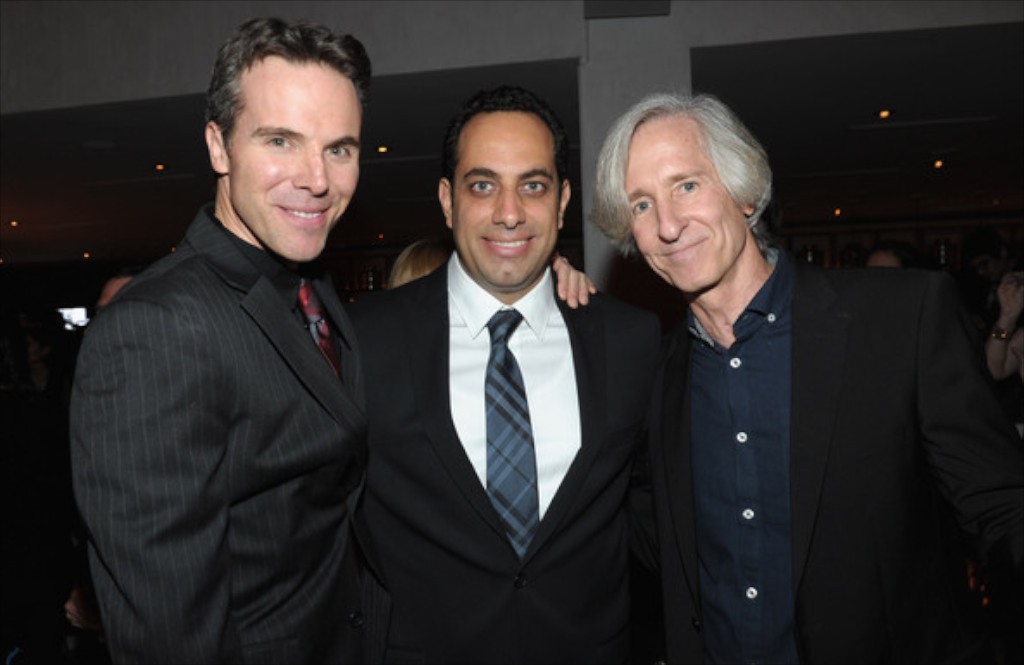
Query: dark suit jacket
pixel 889 402
pixel 459 592
pixel 217 460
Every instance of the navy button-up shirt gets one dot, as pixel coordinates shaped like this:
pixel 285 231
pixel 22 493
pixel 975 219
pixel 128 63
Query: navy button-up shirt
pixel 741 407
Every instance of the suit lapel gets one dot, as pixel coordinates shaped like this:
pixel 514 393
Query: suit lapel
pixel 431 361
pixel 675 439
pixel 429 364
pixel 819 345
pixel 587 338
pixel 264 305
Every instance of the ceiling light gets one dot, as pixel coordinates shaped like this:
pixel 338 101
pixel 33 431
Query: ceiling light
pixel 86 255
pixel 159 167
pixel 14 222
pixel 382 149
pixel 938 163
pixel 884 114
pixel 837 212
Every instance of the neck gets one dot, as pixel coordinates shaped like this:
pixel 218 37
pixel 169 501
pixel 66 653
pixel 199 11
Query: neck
pixel 719 307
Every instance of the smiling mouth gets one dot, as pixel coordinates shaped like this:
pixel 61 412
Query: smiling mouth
pixel 685 247
pixel 509 244
pixel 304 215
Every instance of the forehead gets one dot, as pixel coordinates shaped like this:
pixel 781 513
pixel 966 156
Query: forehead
pixel 506 136
pixel 667 147
pixel 677 132
pixel 274 84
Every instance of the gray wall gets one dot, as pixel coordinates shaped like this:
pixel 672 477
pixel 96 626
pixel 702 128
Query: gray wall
pixel 73 53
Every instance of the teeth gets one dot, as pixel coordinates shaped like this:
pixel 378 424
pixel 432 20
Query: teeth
pixel 304 215
pixel 512 243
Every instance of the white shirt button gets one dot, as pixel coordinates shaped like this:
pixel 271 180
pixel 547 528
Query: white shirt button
pixel 735 362
pixel 771 317
pixel 741 437
pixel 748 514
pixel 751 593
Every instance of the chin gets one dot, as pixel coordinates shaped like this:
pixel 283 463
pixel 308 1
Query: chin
pixel 303 254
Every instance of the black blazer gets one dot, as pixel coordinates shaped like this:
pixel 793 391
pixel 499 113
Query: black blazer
pixel 890 402
pixel 217 460
pixel 459 592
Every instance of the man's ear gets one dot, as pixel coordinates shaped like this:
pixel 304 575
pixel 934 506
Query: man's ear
pixel 444 197
pixel 217 148
pixel 563 202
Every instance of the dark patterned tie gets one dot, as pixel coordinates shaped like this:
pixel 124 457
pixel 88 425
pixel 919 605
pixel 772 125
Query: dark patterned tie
pixel 318 327
pixel 511 463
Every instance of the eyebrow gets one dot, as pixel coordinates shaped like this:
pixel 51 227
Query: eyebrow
pixel 676 177
pixel 276 131
pixel 349 141
pixel 489 173
pixel 635 194
pixel 292 134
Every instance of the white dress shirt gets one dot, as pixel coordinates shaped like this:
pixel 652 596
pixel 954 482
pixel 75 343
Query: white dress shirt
pixel 541 346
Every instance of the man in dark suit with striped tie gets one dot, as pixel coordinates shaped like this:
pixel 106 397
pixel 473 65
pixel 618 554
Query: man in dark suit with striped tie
pixel 218 455
pixel 501 443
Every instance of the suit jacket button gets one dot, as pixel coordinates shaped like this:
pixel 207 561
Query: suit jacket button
pixel 695 622
pixel 519 581
pixel 355 620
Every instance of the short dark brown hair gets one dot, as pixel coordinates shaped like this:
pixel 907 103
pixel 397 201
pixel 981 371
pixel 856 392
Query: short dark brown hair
pixel 298 42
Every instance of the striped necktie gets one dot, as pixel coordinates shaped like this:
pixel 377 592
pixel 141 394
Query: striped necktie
pixel 511 463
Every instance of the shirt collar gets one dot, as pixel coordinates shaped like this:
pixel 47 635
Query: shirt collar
pixel 774 294
pixel 772 298
pixel 476 306
pixel 285 280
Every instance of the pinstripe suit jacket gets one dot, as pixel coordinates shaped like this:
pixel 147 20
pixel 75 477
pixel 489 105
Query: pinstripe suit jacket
pixel 217 461
pixel 461 595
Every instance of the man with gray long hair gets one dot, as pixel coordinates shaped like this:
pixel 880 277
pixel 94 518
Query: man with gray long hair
pixel 805 421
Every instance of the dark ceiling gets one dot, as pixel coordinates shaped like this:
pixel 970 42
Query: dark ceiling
pixel 956 95
pixel 82 179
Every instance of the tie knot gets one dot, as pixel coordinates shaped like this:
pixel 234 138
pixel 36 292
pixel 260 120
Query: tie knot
pixel 502 324
pixel 308 301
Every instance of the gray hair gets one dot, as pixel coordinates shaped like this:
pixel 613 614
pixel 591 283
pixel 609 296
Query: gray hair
pixel 739 159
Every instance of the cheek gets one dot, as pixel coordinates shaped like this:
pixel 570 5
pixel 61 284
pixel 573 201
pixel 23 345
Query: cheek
pixel 264 175
pixel 644 234
pixel 464 211
pixel 345 178
pixel 738 226
pixel 548 218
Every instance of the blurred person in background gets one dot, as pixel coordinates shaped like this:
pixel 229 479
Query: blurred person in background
pixel 420 258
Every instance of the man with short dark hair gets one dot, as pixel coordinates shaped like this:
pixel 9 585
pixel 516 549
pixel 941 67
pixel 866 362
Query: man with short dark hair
pixel 218 435
pixel 501 448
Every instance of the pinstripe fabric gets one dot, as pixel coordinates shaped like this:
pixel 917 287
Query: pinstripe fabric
pixel 511 462
pixel 216 459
